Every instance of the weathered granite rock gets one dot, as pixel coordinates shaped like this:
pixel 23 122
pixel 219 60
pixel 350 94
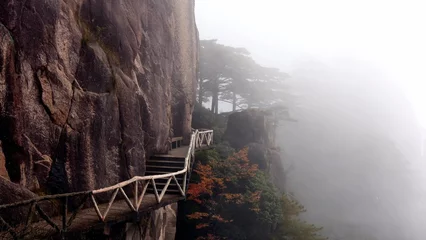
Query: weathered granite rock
pixel 159 225
pixel 249 126
pixel 255 130
pixel 89 89
pixel 162 224
pixel 3 170
pixel 258 154
pixel 11 192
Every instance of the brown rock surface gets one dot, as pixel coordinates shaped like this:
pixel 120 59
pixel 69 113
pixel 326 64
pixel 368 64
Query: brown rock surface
pixel 89 89
pixel 3 170
pixel 159 224
pixel 10 192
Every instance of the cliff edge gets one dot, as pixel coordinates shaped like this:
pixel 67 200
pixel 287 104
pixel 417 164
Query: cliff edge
pixel 89 89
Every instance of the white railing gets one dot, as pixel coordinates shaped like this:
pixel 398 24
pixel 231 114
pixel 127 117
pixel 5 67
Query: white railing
pixel 199 139
pixel 204 138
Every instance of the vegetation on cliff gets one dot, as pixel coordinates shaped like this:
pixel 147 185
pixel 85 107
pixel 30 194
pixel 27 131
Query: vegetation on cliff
pixel 231 197
pixel 237 189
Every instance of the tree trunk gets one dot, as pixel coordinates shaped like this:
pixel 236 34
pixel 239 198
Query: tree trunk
pixel 215 97
pixel 234 101
pixel 215 102
pixel 249 104
pixel 200 92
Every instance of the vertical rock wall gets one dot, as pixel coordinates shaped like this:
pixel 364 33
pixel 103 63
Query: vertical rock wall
pixel 158 225
pixel 89 89
pixel 255 129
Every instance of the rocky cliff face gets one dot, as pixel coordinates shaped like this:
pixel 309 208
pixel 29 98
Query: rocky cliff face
pixel 249 126
pixel 255 129
pixel 159 225
pixel 89 89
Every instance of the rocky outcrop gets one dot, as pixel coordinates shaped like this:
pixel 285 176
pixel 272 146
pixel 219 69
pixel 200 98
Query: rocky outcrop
pixel 89 89
pixel 255 129
pixel 161 225
pixel 16 214
pixel 249 126
pixel 3 170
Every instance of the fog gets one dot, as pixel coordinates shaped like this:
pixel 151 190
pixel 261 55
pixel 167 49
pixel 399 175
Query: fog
pixel 356 155
pixel 357 91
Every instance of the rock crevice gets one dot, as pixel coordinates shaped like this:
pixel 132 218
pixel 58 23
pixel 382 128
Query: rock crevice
pixel 90 89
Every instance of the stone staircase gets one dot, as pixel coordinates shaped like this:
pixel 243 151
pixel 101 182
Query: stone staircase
pixel 161 165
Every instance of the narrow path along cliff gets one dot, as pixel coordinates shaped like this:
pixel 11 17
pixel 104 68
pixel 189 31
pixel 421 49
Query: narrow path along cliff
pixel 89 92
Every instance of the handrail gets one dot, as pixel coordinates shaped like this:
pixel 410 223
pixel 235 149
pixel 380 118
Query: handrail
pixel 198 139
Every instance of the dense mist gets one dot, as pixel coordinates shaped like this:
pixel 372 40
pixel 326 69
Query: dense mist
pixel 354 153
pixel 356 88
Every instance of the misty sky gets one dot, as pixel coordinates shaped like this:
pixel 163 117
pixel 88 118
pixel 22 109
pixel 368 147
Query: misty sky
pixel 388 35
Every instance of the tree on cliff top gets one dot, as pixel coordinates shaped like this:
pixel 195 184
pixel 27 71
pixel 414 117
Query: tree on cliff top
pixel 219 71
pixel 231 75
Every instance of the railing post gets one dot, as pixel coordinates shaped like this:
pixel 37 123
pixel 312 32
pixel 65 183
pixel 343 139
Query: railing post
pixel 135 194
pixel 64 215
pixel 129 203
pixel 154 186
pixel 9 228
pixel 184 181
pixel 198 140
pixel 74 214
pixel 95 205
pixel 30 214
pixel 145 186
pixel 47 218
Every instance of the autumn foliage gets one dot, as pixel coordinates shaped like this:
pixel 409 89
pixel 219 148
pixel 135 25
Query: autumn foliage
pixel 220 190
pixel 230 198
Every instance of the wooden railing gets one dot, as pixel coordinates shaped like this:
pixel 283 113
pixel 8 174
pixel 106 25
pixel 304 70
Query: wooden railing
pixel 139 184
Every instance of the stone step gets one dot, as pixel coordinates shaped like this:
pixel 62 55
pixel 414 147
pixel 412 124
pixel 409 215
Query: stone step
pixel 180 161
pixel 153 172
pixel 163 168
pixel 151 190
pixel 156 165
pixel 167 158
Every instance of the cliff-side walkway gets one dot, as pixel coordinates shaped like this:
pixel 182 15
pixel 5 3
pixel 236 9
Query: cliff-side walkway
pixel 166 181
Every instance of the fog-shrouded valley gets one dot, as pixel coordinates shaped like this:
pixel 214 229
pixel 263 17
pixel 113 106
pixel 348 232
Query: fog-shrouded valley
pixel 355 154
pixel 213 120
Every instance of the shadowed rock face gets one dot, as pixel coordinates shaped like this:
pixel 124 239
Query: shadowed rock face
pixel 89 89
pixel 250 126
pixel 255 130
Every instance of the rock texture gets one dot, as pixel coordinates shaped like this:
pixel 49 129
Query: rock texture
pixel 255 129
pixel 15 215
pixel 159 225
pixel 89 89
pixel 3 170
pixel 249 126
